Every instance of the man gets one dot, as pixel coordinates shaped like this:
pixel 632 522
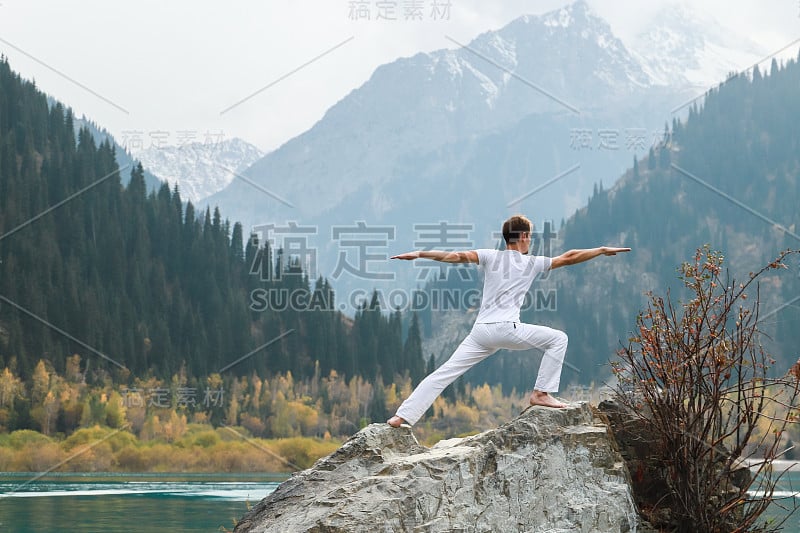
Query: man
pixel 508 275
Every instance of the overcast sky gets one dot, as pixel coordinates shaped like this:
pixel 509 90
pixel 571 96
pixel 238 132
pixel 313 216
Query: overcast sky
pixel 176 68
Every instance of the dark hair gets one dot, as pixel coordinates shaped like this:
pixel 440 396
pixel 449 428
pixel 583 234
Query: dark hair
pixel 514 227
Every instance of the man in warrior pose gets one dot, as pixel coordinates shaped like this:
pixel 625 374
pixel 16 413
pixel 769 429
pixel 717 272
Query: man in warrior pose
pixel 508 275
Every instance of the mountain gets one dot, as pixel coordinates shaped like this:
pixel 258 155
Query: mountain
pixel 684 46
pixel 566 63
pixel 525 118
pixel 138 284
pixel 200 169
pixel 530 117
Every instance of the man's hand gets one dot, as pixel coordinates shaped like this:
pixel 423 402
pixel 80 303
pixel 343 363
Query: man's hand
pixel 408 256
pixel 613 251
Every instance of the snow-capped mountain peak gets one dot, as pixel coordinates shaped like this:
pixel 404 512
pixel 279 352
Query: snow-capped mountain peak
pixel 564 65
pixel 200 169
pixel 568 15
pixel 685 46
pixel 545 51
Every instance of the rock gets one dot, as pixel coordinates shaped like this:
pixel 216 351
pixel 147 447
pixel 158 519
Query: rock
pixel 555 470
pixel 645 457
pixel 640 450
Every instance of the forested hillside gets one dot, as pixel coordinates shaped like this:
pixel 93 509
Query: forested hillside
pixel 728 176
pixel 141 286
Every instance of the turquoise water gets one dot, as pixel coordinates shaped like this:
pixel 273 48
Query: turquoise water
pixel 787 494
pixel 130 503
pixel 139 503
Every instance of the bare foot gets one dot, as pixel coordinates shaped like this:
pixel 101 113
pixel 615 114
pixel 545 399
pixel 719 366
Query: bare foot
pixel 544 399
pixel 396 421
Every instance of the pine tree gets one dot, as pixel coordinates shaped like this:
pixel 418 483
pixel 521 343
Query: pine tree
pixel 412 351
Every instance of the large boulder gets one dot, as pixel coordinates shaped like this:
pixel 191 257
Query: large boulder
pixel 554 470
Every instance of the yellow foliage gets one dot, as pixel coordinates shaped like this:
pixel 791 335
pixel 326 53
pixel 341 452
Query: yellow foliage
pixel 10 387
pixel 115 411
pixel 206 439
pixel 175 427
pixel 27 438
pixel 214 381
pixel 6 459
pixel 483 397
pixel 72 371
pixel 89 436
pixel 160 438
pixel 253 424
pixel 293 419
pixel 392 401
pixel 302 451
pixel 200 417
pixel 37 459
pixel 102 449
pixel 95 457
pixel 464 415
pixel 41 382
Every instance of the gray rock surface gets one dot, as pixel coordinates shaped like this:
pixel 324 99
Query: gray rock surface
pixel 547 470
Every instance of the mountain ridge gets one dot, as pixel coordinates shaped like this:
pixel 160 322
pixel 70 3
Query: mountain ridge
pixel 200 169
pixel 567 61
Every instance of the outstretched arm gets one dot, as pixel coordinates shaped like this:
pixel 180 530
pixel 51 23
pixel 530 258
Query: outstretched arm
pixel 470 256
pixel 574 257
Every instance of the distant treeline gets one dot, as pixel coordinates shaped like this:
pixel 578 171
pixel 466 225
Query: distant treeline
pixel 219 423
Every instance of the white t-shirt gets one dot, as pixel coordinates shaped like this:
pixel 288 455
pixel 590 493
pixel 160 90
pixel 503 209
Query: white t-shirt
pixel 508 275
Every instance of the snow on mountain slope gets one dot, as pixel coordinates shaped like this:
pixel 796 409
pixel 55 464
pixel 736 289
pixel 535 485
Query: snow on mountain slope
pixel 683 46
pixel 200 169
pixel 567 62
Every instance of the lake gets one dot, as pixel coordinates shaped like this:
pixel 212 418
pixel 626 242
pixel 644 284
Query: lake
pixel 130 503
pixel 788 491
pixel 142 503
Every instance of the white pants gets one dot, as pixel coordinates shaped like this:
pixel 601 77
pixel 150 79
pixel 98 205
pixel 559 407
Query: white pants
pixel 483 341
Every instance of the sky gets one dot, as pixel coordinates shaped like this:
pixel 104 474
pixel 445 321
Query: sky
pixel 156 72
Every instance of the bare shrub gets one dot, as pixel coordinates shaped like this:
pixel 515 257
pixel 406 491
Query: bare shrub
pixel 697 377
